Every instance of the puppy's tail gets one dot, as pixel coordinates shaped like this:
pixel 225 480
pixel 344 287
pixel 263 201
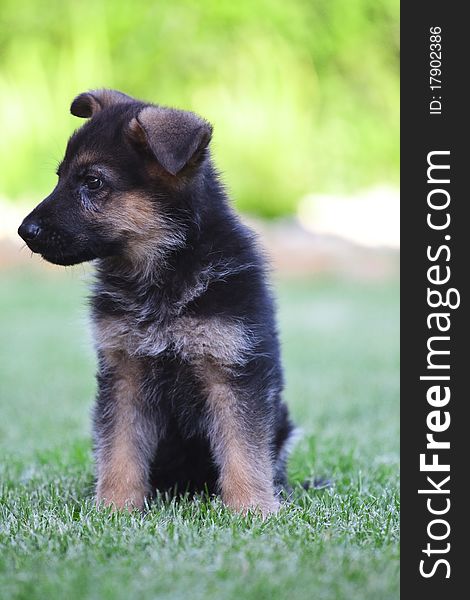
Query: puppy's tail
pixel 317 483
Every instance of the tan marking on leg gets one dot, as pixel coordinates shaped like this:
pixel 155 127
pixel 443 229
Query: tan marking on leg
pixel 121 479
pixel 246 473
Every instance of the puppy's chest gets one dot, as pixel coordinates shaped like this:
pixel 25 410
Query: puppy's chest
pixel 188 337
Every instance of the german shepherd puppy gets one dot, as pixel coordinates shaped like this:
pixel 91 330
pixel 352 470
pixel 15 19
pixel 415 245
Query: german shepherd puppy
pixel 189 371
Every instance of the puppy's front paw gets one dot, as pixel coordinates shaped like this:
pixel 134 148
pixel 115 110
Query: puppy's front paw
pixel 265 505
pixel 119 500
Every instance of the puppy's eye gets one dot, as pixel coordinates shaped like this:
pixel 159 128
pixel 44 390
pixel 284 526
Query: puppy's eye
pixel 93 183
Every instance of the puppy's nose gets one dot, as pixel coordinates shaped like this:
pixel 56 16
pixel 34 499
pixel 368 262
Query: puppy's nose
pixel 29 230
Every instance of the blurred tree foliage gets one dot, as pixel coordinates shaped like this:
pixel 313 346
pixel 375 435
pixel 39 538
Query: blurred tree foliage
pixel 303 93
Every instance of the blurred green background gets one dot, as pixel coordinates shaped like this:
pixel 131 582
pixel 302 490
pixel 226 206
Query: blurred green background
pixel 303 94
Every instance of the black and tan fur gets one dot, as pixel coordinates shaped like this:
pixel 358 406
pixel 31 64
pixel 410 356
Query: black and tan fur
pixel 189 372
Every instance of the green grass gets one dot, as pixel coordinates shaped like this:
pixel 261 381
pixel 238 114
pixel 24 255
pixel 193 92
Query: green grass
pixel 340 345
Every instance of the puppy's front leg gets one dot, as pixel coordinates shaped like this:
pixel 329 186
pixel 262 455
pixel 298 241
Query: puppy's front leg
pixel 125 436
pixel 241 448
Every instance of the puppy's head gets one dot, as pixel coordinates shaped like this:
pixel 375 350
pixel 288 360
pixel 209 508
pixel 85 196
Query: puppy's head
pixel 119 181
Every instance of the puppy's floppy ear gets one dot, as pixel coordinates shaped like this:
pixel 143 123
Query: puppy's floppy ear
pixel 89 103
pixel 174 137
